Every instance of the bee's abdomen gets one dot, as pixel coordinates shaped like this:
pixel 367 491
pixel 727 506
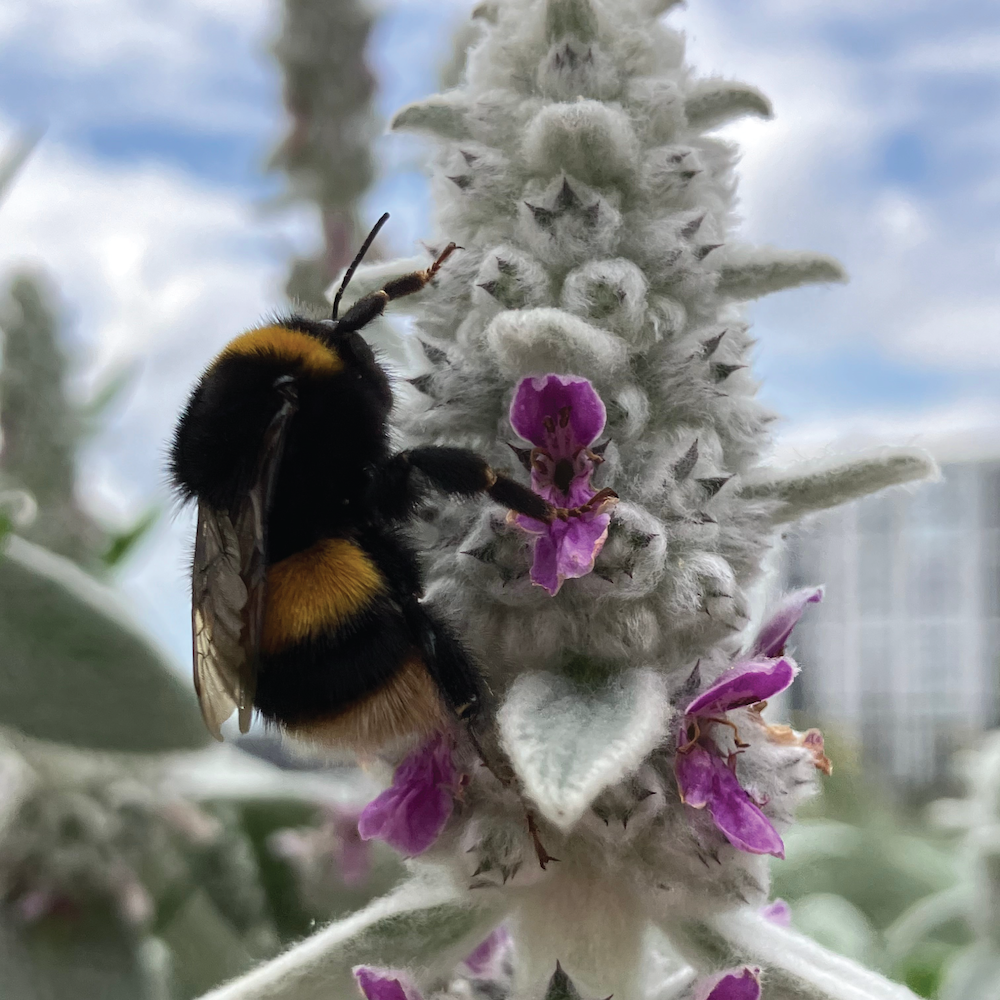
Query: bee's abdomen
pixel 324 589
pixel 333 636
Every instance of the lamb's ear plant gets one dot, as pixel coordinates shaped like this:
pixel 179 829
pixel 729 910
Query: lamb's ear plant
pixel 591 329
pixel 326 155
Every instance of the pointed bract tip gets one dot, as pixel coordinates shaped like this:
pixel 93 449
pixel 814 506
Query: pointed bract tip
pixel 570 17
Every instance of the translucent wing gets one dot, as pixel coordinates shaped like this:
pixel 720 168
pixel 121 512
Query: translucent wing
pixel 229 585
pixel 218 598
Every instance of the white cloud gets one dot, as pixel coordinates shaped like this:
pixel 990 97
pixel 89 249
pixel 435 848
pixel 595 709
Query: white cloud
pixel 922 256
pixel 156 269
pixel 962 431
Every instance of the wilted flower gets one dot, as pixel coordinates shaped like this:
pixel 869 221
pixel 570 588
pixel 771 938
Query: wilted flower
pixel 412 812
pixel 385 984
pixel 706 774
pixel 562 416
pixel 737 984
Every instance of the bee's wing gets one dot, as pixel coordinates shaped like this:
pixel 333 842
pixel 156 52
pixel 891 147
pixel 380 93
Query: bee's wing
pixel 218 600
pixel 229 586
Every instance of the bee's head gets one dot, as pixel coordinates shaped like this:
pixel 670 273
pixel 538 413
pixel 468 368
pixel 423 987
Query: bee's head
pixel 362 367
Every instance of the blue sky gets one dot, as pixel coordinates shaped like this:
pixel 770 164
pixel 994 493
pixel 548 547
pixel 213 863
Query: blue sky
pixel 147 205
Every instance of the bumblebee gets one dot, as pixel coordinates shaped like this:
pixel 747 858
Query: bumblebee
pixel 305 590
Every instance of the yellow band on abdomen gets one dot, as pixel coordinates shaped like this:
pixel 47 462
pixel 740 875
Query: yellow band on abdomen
pixel 317 590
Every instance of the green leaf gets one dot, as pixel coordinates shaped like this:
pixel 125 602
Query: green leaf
pixel 836 924
pixel 206 948
pixel 794 967
pixel 569 741
pixel 807 489
pixel 753 272
pixel 422 925
pixel 75 668
pixel 81 956
pixel 437 115
pixel 716 102
pixel 122 543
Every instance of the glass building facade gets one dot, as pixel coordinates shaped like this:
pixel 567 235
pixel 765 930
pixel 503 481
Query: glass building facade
pixel 903 654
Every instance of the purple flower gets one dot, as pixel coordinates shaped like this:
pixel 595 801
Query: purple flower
pixel 737 984
pixel 562 416
pixel 706 773
pixel 487 959
pixel 778 912
pixel 412 812
pixel 385 984
pixel 775 631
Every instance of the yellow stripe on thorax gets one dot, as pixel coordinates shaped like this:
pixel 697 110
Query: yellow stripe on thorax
pixel 317 590
pixel 287 345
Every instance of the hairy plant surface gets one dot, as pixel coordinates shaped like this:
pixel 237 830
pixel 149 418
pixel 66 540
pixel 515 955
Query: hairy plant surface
pixel 592 330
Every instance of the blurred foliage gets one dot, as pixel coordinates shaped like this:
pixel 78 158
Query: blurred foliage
pixel 114 882
pixel 859 865
pixel 43 430
pixel 74 668
pixel 327 153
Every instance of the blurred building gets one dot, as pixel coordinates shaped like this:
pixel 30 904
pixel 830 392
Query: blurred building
pixel 904 652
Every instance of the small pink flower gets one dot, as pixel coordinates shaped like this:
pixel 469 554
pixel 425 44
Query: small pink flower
pixel 385 984
pixel 562 416
pixel 736 984
pixel 412 812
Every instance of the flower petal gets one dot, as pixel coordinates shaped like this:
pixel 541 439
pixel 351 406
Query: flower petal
pixel 695 776
pixel 738 984
pixel 486 959
pixel 353 854
pixel 744 825
pixel 385 984
pixel 778 912
pixel 544 396
pixel 567 550
pixel 775 631
pixel 744 684
pixel 412 812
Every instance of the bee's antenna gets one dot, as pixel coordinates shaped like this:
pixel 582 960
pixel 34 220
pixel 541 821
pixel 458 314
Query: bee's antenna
pixel 357 260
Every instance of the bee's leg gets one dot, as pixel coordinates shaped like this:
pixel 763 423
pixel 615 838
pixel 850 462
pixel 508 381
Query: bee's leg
pixel 373 304
pixel 448 662
pixel 463 472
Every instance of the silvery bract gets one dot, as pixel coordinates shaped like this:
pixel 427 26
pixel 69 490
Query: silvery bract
pixel 576 168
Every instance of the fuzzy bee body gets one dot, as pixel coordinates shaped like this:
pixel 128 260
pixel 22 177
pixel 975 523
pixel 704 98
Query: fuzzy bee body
pixel 305 589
